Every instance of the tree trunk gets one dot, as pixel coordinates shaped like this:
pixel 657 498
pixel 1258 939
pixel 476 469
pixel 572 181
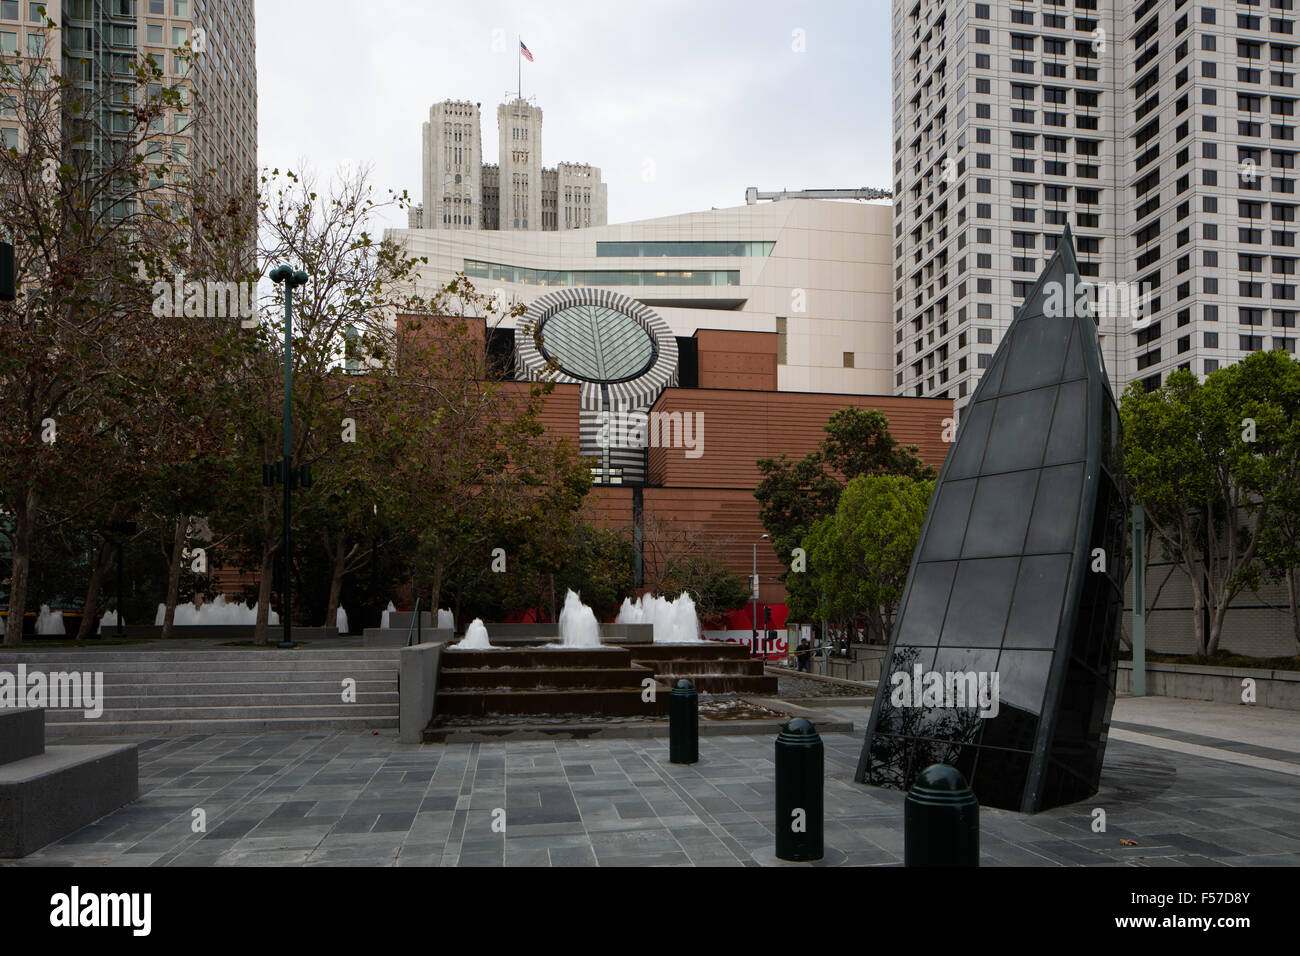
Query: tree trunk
pixel 435 590
pixel 261 630
pixel 103 561
pixel 174 577
pixel 336 583
pixel 24 526
pixel 1293 592
pixel 1198 616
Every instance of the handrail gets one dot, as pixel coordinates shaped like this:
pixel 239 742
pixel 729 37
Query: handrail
pixel 414 621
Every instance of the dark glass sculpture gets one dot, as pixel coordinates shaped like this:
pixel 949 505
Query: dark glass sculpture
pixel 1017 574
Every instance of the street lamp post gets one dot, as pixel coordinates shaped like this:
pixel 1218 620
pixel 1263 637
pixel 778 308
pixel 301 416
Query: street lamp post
pixel 753 582
pixel 291 280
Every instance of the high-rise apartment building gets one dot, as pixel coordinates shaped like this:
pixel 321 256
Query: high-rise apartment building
pixel 1161 131
pixel 99 43
pixel 516 193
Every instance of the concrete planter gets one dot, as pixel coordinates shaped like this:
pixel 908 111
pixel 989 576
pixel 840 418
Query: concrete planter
pixel 1273 688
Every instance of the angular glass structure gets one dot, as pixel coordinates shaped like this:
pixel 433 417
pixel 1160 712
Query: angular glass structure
pixel 1017 574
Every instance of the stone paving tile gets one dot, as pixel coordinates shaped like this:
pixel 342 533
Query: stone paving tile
pixel 338 799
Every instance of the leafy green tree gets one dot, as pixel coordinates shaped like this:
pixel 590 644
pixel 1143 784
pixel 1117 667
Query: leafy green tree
pixel 1214 464
pixel 858 557
pixel 794 495
pixel 92 212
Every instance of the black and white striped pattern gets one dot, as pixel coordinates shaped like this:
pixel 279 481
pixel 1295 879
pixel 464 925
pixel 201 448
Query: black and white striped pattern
pixel 636 394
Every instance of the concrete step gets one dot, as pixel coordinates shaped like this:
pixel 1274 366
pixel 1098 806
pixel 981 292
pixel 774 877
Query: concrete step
pixel 22 733
pixel 239 700
pixel 62 716
pixel 197 654
pixel 721 668
pixel 294 668
pixel 244 725
pixel 602 700
pixel 52 794
pixel 705 650
pixel 221 683
pixel 561 657
pixel 543 677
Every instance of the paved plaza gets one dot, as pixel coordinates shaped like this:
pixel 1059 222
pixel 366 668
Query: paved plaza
pixel 1220 791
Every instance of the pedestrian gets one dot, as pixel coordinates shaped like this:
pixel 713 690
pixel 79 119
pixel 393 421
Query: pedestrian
pixel 803 654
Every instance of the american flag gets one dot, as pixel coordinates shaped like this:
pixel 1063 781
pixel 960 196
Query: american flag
pixel 524 50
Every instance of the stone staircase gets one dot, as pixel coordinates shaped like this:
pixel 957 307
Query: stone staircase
pixel 544 681
pixel 714 667
pixel 181 690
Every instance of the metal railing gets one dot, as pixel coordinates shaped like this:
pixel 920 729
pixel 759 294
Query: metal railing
pixel 415 627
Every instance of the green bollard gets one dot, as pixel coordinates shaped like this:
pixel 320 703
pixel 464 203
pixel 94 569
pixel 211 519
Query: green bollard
pixel 683 723
pixel 800 775
pixel 941 820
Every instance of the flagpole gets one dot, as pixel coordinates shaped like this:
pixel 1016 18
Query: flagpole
pixel 519 62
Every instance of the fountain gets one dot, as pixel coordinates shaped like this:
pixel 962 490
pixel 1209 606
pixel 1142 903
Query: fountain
pixel 341 620
pixel 220 613
pixel 49 622
pixel 383 618
pixel 446 620
pixel 109 620
pixel 675 622
pixel 578 624
pixel 476 636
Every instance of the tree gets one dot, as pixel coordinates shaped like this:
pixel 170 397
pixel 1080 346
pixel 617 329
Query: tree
pixel 794 495
pixel 94 208
pixel 472 461
pixel 1214 464
pixel 858 558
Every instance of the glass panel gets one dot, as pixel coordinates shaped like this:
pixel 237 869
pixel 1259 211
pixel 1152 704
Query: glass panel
pixel 1022 679
pixel 974 431
pixel 1000 515
pixel 991 382
pixel 1074 359
pixel 981 596
pixel 1000 777
pixel 947 527
pixel 1036 608
pixel 1056 509
pixel 926 602
pixel 1037 353
pixel 1019 431
pixel 1068 440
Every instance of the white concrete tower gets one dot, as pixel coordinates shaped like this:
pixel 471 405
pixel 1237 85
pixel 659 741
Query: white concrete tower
pixel 453 160
pixel 519 125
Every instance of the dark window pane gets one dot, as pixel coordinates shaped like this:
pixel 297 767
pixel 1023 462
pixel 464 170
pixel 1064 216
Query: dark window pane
pixel 1037 353
pixel 1012 727
pixel 981 595
pixel 971 438
pixel 1056 509
pixel 947 527
pixel 992 380
pixel 1000 777
pixel 1069 436
pixel 926 602
pixel 1074 359
pixel 1020 429
pixel 1022 679
pixel 1000 515
pixel 1036 608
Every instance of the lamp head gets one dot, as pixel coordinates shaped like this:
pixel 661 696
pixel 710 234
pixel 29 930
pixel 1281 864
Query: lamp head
pixel 280 273
pixel 299 278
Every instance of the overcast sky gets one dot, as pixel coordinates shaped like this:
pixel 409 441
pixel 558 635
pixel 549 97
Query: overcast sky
pixel 681 103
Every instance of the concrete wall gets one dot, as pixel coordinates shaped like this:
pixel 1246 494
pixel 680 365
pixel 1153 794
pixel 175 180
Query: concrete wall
pixel 1273 688
pixel 417 686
